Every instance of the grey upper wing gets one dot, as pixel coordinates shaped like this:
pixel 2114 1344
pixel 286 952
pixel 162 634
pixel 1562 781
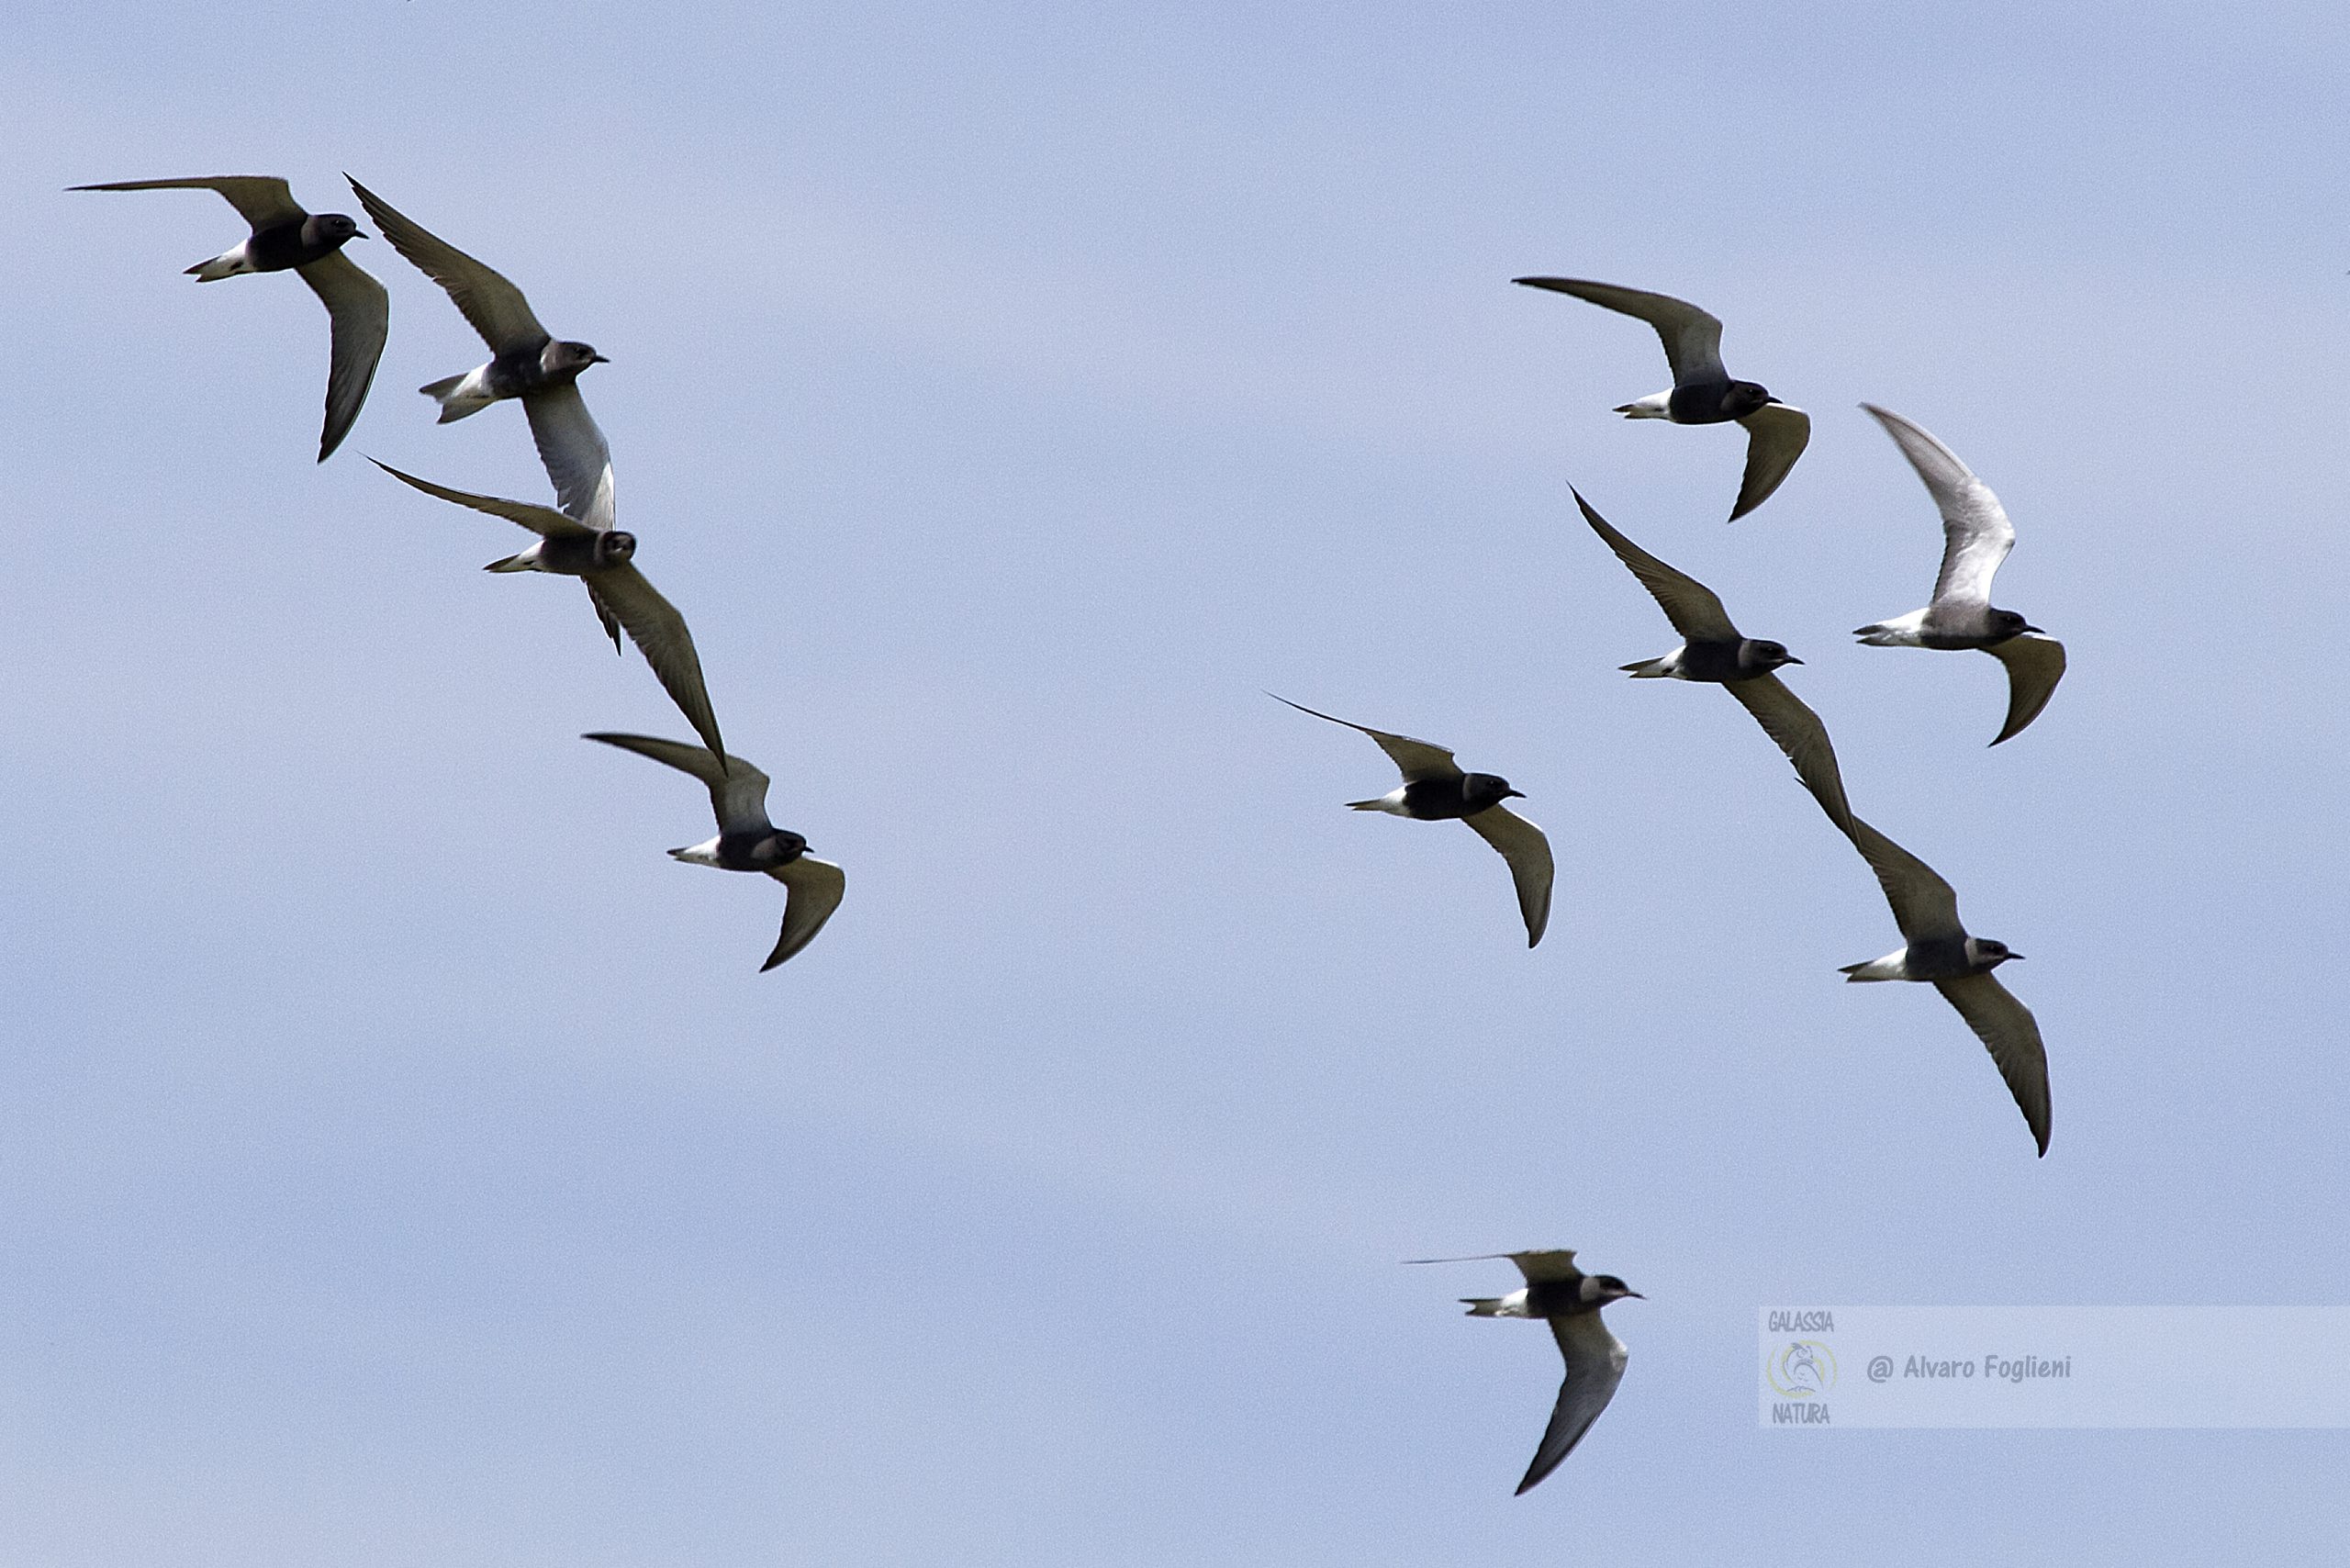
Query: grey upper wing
pixel 1924 906
pixel 1547 1266
pixel 1529 854
pixel 359 313
pixel 2012 1034
pixel 1693 608
pixel 1790 721
pixel 816 888
pixel 1693 340
pixel 495 307
pixel 659 632
pixel 538 520
pixel 1419 759
pixel 1543 1267
pixel 575 452
pixel 1595 1359
pixel 2035 664
pixel 1776 434
pixel 260 200
pixel 1977 535
pixel 738 795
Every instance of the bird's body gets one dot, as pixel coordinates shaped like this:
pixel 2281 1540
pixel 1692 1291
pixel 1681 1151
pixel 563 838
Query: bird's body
pixel 747 840
pixel 277 247
pixel 1435 790
pixel 545 367
pixel 1569 1301
pixel 285 238
pixel 1714 652
pixel 1703 392
pixel 1717 662
pixel 1936 948
pixel 1976 537
pixel 527 364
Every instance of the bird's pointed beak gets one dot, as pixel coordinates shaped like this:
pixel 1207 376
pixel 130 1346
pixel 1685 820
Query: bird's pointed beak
pixel 1793 660
pixel 597 359
pixel 361 234
pixel 2031 628
pixel 1508 794
pixel 2015 955
pixel 1635 1295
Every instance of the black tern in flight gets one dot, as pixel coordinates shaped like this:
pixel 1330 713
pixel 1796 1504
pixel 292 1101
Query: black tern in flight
pixel 285 238
pixel 1434 790
pixel 599 558
pixel 1557 1290
pixel 1936 947
pixel 747 841
pixel 1716 652
pixel 1976 536
pixel 526 362
pixel 1702 391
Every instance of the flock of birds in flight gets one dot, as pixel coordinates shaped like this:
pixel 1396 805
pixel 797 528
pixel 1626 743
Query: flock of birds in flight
pixel 578 537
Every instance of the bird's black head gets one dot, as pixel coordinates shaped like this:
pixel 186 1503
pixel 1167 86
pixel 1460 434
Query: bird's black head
pixel 614 547
pixel 1479 791
pixel 330 229
pixel 1741 399
pixel 1604 1288
pixel 1983 954
pixel 781 847
pixel 1759 653
pixel 2008 623
pixel 569 359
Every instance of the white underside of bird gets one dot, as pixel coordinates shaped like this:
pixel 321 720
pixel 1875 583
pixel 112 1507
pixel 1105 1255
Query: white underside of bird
pixel 1893 966
pixel 1901 631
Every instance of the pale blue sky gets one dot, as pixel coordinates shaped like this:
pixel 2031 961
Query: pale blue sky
pixel 401 1161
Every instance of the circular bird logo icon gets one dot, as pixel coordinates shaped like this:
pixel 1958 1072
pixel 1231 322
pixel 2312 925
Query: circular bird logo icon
pixel 1804 1369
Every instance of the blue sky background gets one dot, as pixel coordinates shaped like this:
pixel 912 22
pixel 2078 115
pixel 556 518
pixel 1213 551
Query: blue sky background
pixel 402 1161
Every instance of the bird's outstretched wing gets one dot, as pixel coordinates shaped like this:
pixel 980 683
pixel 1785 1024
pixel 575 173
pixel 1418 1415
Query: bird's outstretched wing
pixel 653 624
pixel 1419 759
pixel 543 520
pixel 1776 434
pixel 738 796
pixel 359 313
pixel 1694 609
pixel 2035 664
pixel 261 200
pixel 2007 1029
pixel 495 307
pixel 1693 340
pixel 815 891
pixel 1595 1359
pixel 1924 906
pixel 578 458
pixel 1790 721
pixel 1977 535
pixel 1527 851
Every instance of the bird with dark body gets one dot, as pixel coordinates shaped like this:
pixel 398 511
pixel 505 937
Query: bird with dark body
pixel 1435 790
pixel 1569 1301
pixel 1976 537
pixel 1713 651
pixel 1703 392
pixel 747 840
pixel 1937 948
pixel 285 238
pixel 601 558
pixel 527 364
